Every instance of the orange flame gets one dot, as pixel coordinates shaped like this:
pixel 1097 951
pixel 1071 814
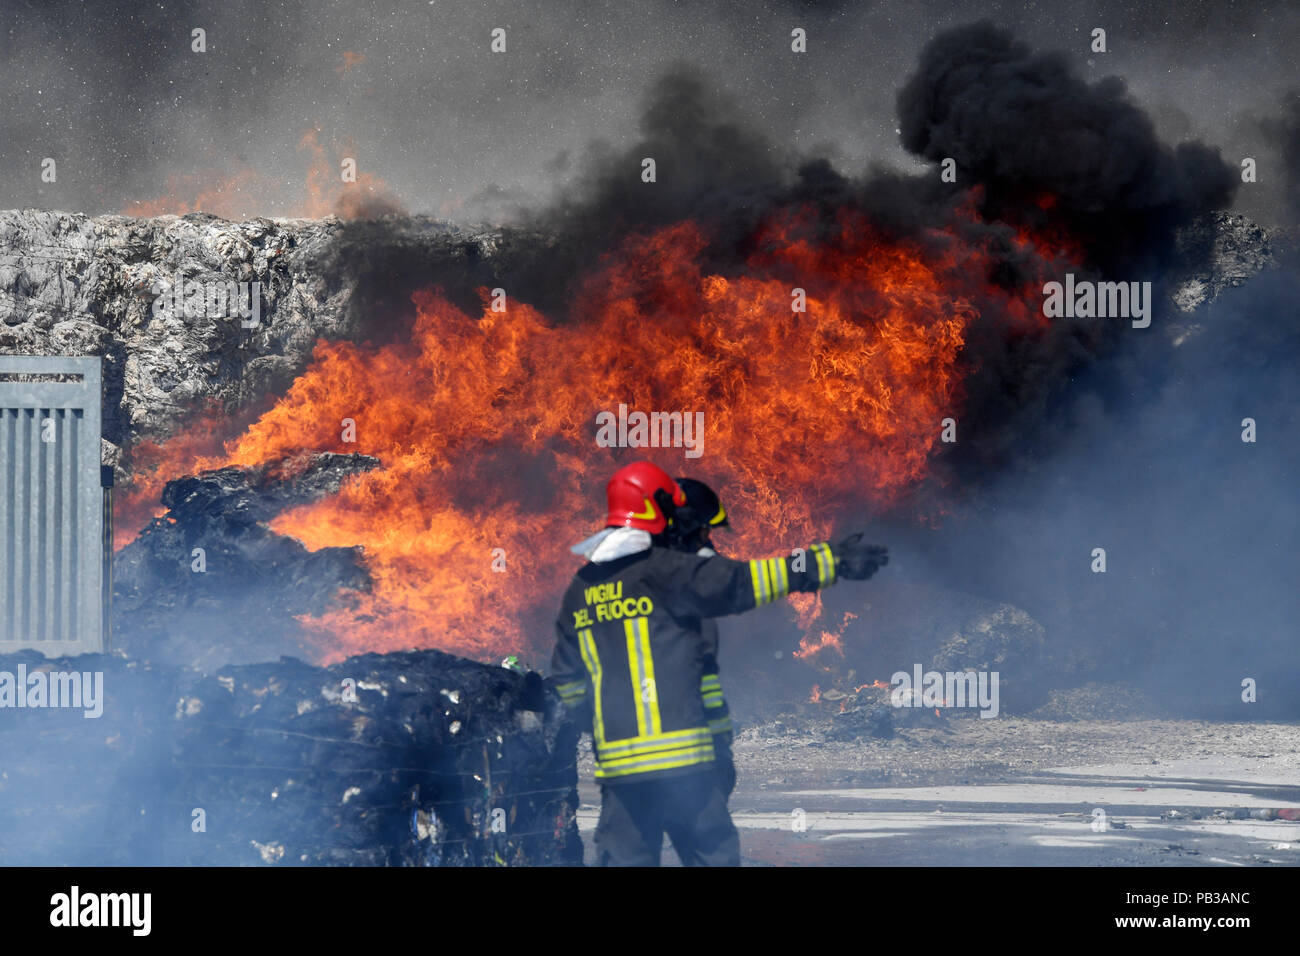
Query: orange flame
pixel 326 192
pixel 152 465
pixel 834 640
pixel 485 425
pixel 232 196
pixel 350 60
pixel 877 684
pixel 808 647
pixel 247 193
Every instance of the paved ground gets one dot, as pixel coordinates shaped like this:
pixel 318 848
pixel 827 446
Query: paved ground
pixel 1016 792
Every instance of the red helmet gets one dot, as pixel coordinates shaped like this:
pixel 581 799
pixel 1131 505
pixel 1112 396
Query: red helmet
pixel 633 501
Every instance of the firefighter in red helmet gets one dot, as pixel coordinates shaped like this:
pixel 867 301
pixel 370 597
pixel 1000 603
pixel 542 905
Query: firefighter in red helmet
pixel 629 645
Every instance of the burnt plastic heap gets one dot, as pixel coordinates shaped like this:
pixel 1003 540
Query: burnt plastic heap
pixel 416 758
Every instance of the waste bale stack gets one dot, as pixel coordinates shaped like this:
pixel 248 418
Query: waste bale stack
pixel 393 759
pixel 415 758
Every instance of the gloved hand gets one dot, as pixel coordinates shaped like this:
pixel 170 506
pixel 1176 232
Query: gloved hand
pixel 857 560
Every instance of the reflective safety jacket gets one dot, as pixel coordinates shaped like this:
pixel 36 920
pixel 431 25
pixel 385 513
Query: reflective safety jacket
pixel 629 643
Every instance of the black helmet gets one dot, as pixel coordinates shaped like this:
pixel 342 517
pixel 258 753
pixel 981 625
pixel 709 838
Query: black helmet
pixel 703 509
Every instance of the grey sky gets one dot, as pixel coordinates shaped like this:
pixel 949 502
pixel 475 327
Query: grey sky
pixel 113 92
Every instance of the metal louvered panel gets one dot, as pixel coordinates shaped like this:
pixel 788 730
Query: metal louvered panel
pixel 51 505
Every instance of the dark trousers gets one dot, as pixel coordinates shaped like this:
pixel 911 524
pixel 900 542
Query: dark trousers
pixel 724 764
pixel 692 809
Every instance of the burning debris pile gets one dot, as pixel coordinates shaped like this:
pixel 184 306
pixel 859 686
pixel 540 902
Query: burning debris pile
pixel 189 587
pixel 418 758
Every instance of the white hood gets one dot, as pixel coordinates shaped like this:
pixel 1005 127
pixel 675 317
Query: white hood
pixel 612 544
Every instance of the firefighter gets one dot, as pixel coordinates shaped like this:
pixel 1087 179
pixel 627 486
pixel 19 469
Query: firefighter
pixel 629 643
pixel 691 531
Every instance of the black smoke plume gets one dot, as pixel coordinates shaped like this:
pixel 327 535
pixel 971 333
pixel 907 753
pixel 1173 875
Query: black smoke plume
pixel 1024 125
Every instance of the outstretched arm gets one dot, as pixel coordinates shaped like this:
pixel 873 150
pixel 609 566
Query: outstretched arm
pixel 717 586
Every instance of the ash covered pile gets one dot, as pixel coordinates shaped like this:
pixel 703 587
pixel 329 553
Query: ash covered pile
pixel 187 588
pixel 416 758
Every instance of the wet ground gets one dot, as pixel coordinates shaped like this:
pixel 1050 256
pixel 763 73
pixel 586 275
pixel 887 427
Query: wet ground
pixel 1013 791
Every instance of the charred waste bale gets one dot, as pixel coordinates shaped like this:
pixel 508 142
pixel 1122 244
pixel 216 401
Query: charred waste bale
pixel 235 601
pixel 85 785
pixel 417 758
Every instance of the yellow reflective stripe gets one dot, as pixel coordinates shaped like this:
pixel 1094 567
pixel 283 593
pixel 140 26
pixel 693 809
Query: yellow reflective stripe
pixel 668 761
pixel 645 745
pixel 771 577
pixel 756 575
pixel 572 689
pixel 589 657
pixel 656 722
pixel 711 691
pixel 636 667
pixel 664 756
pixel 775 564
pixel 720 726
pixel 641 664
pixel 826 565
pixel 767 579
